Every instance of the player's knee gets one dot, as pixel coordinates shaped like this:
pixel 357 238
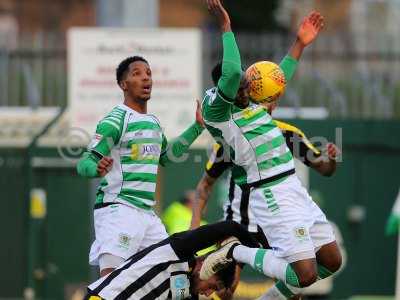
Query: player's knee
pixel 307 277
pixel 335 262
pixel 330 259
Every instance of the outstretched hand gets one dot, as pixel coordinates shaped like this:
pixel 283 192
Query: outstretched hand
pixel 199 115
pixel 310 28
pixel 216 8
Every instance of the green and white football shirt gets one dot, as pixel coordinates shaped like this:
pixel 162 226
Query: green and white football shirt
pixel 135 142
pixel 257 146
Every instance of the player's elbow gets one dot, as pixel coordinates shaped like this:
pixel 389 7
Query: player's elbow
pixel 231 75
pixel 234 72
pixel 237 71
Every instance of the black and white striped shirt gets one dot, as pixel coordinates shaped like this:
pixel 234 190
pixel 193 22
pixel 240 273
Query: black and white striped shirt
pixel 163 270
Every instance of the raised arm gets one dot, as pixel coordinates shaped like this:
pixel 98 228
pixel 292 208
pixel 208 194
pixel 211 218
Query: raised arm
pixel 229 82
pixel 307 33
pixel 218 105
pixel 216 8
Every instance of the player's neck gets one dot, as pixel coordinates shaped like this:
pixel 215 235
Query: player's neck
pixel 137 105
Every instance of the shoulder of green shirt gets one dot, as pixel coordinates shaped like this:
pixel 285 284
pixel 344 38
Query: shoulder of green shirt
pixel 215 107
pixel 112 124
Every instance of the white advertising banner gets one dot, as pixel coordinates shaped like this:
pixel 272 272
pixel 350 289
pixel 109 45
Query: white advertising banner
pixel 174 56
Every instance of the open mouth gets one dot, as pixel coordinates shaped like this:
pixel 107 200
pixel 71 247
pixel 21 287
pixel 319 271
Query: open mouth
pixel 147 89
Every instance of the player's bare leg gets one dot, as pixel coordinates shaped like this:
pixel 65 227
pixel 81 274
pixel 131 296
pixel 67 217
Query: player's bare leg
pixel 330 258
pixel 306 271
pixel 293 276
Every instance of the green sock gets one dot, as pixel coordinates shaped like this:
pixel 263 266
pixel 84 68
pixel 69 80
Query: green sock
pixel 323 272
pixel 259 260
pixel 283 289
pixel 291 277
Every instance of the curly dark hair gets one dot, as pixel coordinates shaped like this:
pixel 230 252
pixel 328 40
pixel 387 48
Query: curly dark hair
pixel 227 275
pixel 123 66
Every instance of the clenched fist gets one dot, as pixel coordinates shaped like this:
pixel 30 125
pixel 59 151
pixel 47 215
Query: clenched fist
pixel 104 165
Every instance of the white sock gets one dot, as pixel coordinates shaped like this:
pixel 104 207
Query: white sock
pixel 281 291
pixel 295 290
pixel 272 294
pixel 262 260
pixel 244 254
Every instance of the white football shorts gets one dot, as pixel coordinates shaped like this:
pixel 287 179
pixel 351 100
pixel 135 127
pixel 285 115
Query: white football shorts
pixel 123 230
pixel 294 225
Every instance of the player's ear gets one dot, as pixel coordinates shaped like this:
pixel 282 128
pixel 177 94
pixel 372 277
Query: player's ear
pixel 123 85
